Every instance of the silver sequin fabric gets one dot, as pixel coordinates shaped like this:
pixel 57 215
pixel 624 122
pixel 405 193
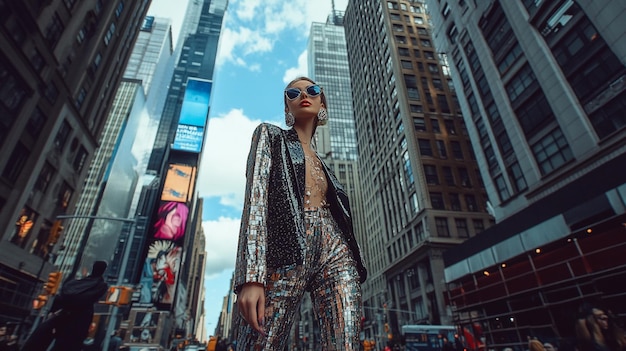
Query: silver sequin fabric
pixel 329 273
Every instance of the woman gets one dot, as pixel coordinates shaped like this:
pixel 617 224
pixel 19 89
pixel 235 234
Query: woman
pixel 296 234
pixel 171 223
pixel 597 330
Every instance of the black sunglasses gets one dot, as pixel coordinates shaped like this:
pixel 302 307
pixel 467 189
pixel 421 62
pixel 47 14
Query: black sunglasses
pixel 312 90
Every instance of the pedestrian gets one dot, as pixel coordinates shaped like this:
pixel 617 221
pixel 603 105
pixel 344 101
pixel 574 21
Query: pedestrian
pixel 535 345
pixel 71 313
pixel 296 234
pixel 116 341
pixel 598 330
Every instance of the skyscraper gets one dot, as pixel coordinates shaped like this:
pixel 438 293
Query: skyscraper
pixel 543 94
pixel 419 182
pixel 113 174
pixel 328 66
pixel 61 64
pixel 174 162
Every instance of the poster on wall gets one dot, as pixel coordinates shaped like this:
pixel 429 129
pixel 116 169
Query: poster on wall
pixel 171 221
pixel 160 273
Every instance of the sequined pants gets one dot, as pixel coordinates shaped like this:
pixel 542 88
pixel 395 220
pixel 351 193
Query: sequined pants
pixel 329 273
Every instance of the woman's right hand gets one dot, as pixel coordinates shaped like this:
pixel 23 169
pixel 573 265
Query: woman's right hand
pixel 251 305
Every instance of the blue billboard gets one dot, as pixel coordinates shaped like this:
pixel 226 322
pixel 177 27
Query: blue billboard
pixel 193 116
pixel 188 138
pixel 195 103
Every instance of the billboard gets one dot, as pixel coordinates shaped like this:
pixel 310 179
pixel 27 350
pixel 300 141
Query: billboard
pixel 193 116
pixel 160 273
pixel 195 106
pixel 171 221
pixel 188 138
pixel 179 183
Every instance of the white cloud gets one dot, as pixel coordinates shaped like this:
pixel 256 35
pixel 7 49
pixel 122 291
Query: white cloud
pixel 251 26
pixel 247 11
pixel 222 237
pixel 227 143
pixel 298 71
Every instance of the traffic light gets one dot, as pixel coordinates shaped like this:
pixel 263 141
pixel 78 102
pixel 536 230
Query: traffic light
pixel 52 285
pixel 55 232
pixel 40 301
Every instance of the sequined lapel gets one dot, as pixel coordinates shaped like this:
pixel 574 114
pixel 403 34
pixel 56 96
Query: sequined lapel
pixel 296 154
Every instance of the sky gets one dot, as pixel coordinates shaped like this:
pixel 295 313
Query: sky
pixel 262 47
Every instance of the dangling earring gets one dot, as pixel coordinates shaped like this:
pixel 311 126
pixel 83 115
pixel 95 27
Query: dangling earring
pixel 322 116
pixel 290 120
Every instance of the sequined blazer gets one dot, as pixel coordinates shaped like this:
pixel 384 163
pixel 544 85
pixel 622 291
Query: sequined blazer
pixel 273 212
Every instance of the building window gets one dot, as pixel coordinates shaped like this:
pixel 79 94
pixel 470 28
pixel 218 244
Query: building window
pixel 443 104
pixel 524 79
pixel 479 226
pixel 470 201
pixel 79 159
pixel 552 151
pixel 36 60
pixel 69 4
pixel 119 9
pixel 461 227
pixel 595 74
pixel 109 34
pixel 534 113
pixel 448 176
pixel 503 189
pixel 36 122
pixel 455 201
pixel 509 59
pixel 62 136
pixel 404 52
pixel 54 30
pixel 64 196
pixel 435 125
pixel 407 64
pixel 466 181
pixel 80 98
pixel 442 227
pixel 425 147
pixel 23 227
pixel 419 124
pixel 16 162
pixel 52 92
pixel 436 200
pixel 457 151
pixel 45 176
pixel 610 117
pixel 441 149
pixel 12 94
pixel 517 177
pixel 430 171
pixel 450 128
pixel 96 62
pixel 408 171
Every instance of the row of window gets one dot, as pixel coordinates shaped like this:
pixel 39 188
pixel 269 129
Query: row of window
pixel 443 225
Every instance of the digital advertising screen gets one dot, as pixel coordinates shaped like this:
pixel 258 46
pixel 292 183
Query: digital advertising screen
pixel 159 275
pixel 188 138
pixel 179 183
pixel 171 221
pixel 195 106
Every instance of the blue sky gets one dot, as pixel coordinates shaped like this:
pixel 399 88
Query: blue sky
pixel 262 47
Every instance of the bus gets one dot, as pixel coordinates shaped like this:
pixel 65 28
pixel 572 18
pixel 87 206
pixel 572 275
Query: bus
pixel 427 337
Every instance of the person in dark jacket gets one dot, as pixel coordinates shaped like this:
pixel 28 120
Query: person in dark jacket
pixel 71 313
pixel 77 308
pixel 296 234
